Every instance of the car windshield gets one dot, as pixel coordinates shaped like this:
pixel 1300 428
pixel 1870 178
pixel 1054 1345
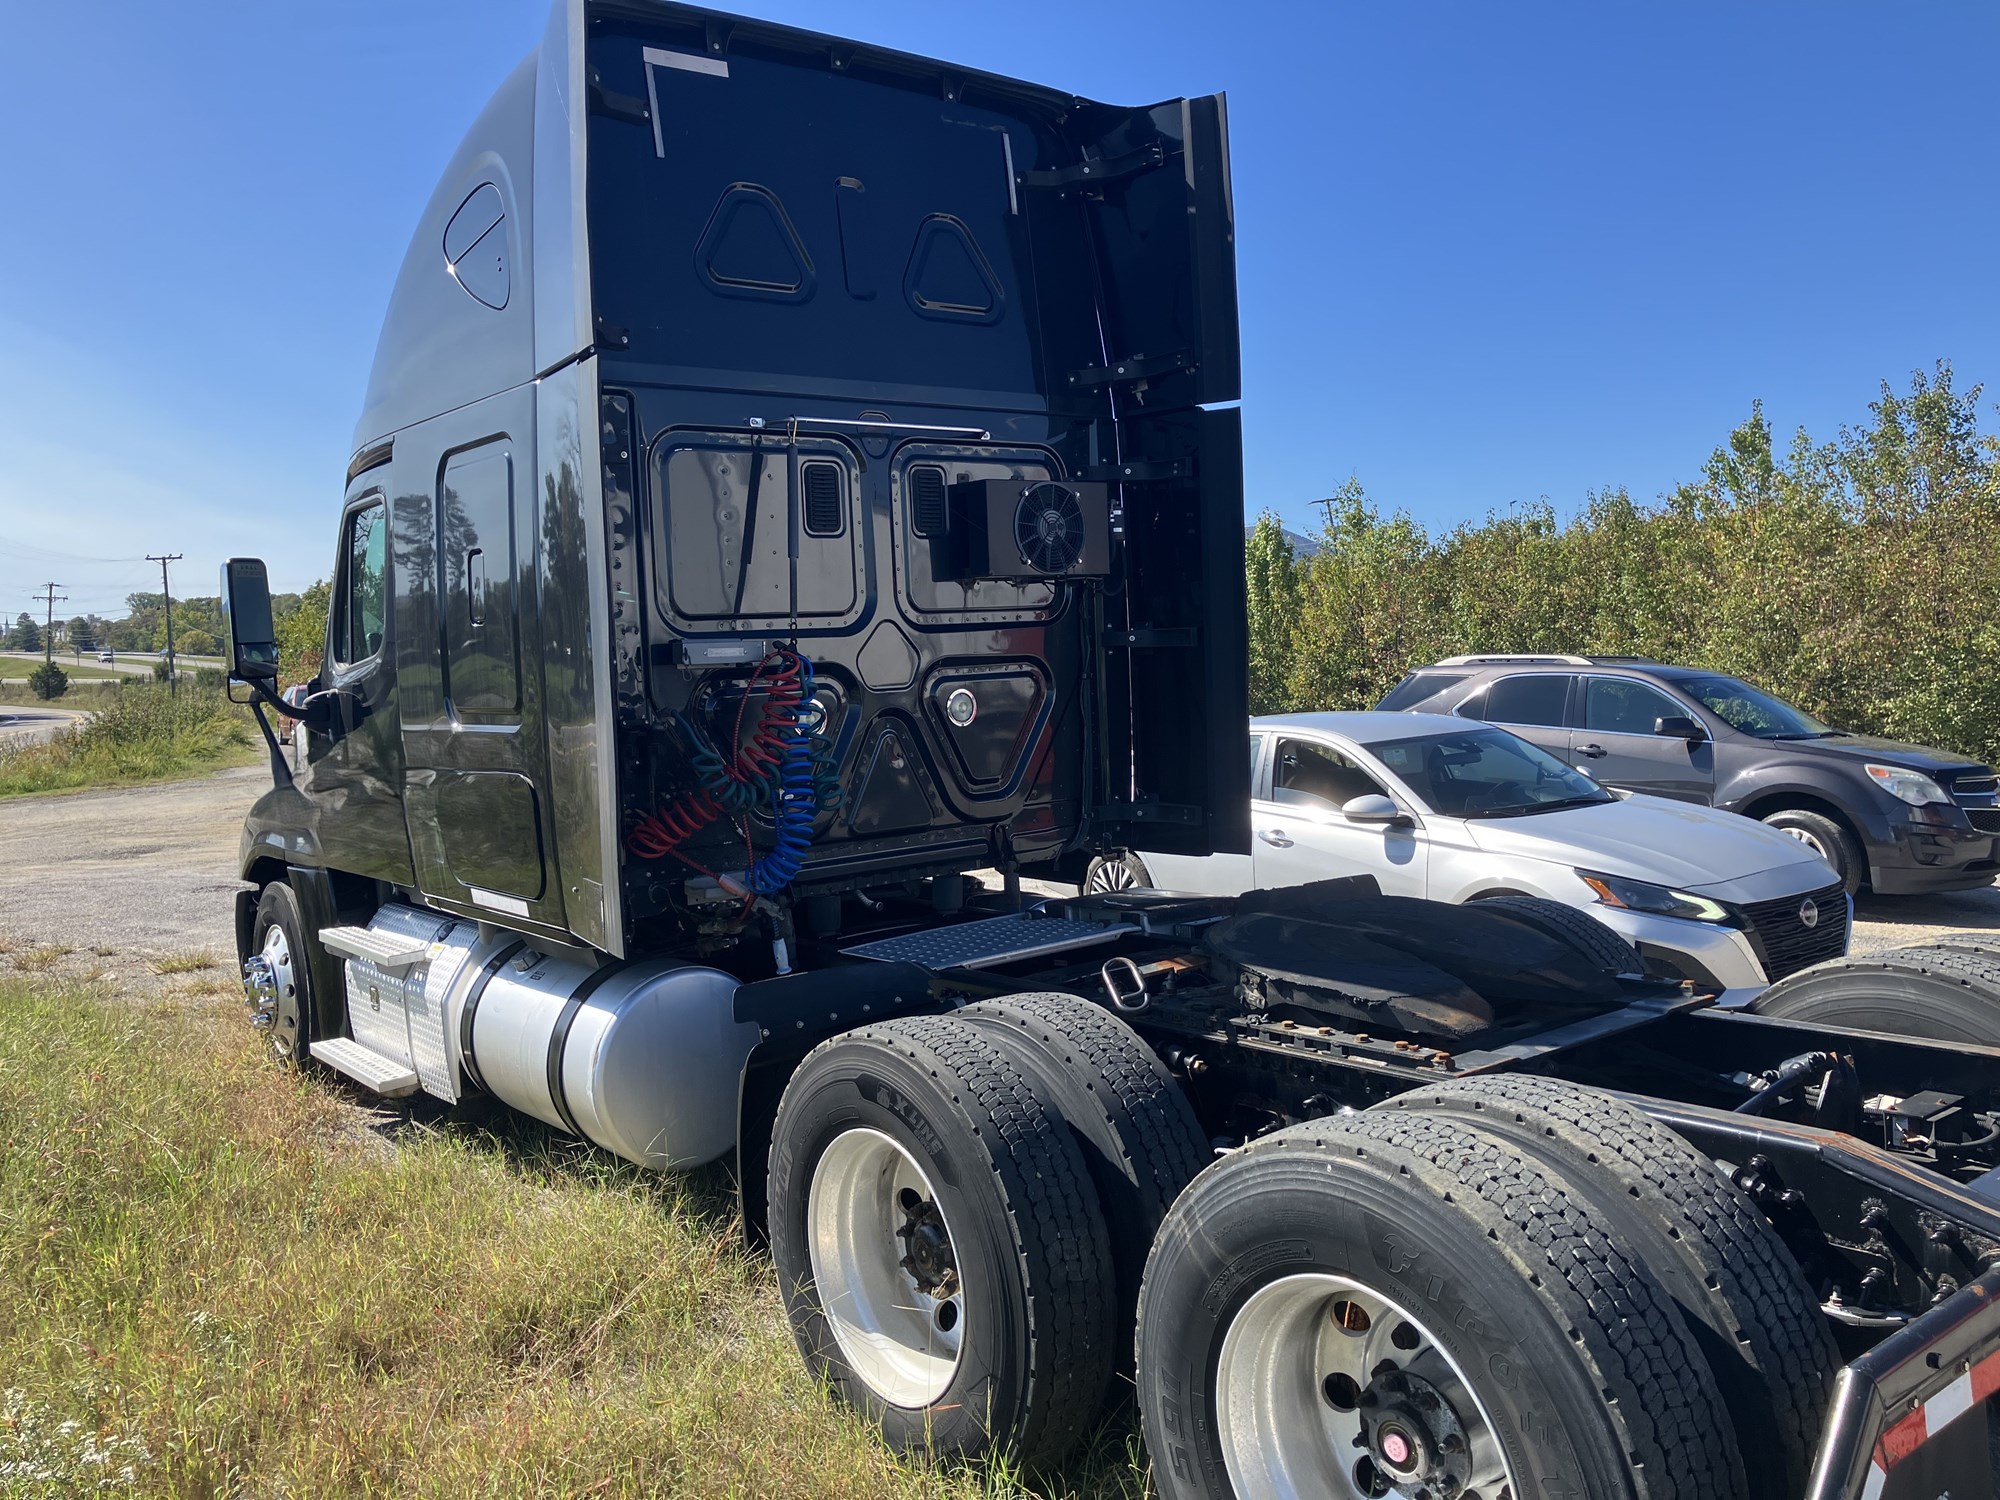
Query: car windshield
pixel 1486 773
pixel 1751 711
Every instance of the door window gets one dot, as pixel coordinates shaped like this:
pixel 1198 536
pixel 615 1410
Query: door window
pixel 1318 776
pixel 1256 756
pixel 1530 698
pixel 362 614
pixel 1618 705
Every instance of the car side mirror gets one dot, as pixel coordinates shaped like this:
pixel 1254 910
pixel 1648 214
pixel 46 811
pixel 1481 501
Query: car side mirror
pixel 1373 807
pixel 1680 727
pixel 246 621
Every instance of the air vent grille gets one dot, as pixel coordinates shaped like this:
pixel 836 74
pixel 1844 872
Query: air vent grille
pixel 822 492
pixel 927 510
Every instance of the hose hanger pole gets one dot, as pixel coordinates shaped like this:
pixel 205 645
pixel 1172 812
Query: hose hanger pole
pixel 792 518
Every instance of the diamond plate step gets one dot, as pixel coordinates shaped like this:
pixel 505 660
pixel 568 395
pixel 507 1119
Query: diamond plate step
pixel 371 1070
pixel 997 940
pixel 385 950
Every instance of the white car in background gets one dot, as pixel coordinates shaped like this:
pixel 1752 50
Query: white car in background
pixel 1440 808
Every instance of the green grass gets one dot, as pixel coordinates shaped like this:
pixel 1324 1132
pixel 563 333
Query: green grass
pixel 234 1288
pixel 80 695
pixel 21 666
pixel 139 733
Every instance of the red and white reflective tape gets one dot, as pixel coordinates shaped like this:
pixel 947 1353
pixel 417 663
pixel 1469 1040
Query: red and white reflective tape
pixel 1908 1434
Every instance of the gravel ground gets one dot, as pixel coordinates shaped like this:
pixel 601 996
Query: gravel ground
pixel 128 876
pixel 135 874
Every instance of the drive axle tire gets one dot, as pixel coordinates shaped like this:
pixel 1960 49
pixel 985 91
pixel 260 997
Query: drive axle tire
pixel 1137 1131
pixel 1827 838
pixel 1737 1287
pixel 1394 1303
pixel 938 1242
pixel 1943 994
pixel 1589 936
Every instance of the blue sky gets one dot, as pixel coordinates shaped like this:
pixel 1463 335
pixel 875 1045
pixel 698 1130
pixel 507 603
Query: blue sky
pixel 1488 252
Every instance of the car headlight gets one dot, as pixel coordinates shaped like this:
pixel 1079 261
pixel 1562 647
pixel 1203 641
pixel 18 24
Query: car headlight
pixel 1912 787
pixel 1655 900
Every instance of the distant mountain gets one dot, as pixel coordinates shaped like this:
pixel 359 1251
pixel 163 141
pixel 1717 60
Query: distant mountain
pixel 1302 546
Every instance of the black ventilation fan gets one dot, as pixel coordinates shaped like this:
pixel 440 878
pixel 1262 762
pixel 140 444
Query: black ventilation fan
pixel 1024 531
pixel 1048 528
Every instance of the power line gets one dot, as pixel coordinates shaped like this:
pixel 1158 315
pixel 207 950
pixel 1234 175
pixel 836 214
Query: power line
pixel 173 685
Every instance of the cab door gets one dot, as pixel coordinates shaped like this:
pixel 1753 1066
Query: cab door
pixel 1150 192
pixel 355 769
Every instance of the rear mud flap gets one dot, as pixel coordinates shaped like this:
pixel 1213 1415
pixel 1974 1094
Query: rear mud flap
pixel 1915 1418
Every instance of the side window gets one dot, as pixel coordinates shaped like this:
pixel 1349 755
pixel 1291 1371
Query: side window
pixel 1419 688
pixel 1530 698
pixel 1310 775
pixel 363 602
pixel 1256 755
pixel 1618 705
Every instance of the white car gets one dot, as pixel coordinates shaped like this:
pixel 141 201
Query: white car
pixel 1440 808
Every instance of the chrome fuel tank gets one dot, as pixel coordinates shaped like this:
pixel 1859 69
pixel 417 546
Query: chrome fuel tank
pixel 642 1059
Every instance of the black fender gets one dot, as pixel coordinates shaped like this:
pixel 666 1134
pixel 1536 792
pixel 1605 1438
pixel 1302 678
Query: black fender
pixel 1855 800
pixel 794 1014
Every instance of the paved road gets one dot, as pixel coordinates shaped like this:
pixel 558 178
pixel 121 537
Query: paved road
pixel 22 724
pixel 17 664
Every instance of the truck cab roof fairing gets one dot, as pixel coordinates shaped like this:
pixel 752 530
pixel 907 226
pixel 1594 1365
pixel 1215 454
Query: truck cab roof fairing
pixel 482 306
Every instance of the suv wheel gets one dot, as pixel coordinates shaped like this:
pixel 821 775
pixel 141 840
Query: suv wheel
pixel 1827 839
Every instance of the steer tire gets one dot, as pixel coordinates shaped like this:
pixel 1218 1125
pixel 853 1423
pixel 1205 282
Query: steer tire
pixel 1830 840
pixel 1942 994
pixel 1737 1287
pixel 1584 932
pixel 1029 1247
pixel 1576 1356
pixel 1137 1131
pixel 293 1032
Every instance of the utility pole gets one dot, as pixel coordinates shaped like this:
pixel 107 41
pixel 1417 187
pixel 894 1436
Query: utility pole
pixel 173 686
pixel 49 630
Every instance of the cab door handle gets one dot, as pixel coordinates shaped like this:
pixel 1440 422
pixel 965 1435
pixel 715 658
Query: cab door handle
pixel 1595 752
pixel 1275 837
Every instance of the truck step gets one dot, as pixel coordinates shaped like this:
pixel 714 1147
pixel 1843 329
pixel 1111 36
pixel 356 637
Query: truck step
pixel 385 950
pixel 384 1075
pixel 997 940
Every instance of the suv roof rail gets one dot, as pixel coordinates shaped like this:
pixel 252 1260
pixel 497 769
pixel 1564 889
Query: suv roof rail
pixel 1495 658
pixel 1623 661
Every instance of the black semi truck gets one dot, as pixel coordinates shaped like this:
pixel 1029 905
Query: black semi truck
pixel 796 476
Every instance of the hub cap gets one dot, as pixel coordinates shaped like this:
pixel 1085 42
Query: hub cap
pixel 1327 1388
pixel 883 1262
pixel 271 992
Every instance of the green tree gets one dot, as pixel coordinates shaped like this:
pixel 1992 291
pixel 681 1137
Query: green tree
pixel 48 681
pixel 26 634
pixel 302 635
pixel 1273 599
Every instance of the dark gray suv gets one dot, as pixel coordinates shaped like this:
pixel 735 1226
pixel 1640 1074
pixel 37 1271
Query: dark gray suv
pixel 1898 818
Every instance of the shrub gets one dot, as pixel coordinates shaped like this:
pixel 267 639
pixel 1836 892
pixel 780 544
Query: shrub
pixel 210 679
pixel 49 681
pixel 163 669
pixel 141 733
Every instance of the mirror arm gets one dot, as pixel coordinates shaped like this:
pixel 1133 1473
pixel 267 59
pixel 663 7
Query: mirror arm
pixel 281 773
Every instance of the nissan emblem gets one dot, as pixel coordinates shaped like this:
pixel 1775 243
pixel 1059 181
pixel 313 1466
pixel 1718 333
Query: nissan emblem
pixel 1809 912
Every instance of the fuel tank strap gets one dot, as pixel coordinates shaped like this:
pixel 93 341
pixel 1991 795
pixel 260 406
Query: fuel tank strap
pixel 493 966
pixel 559 1038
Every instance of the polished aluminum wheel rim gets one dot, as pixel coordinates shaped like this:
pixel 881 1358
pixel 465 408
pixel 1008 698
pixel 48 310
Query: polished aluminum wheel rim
pixel 1326 1388
pixel 271 991
pixel 883 1265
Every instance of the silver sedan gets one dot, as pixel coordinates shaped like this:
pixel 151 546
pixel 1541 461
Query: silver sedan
pixel 1448 810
